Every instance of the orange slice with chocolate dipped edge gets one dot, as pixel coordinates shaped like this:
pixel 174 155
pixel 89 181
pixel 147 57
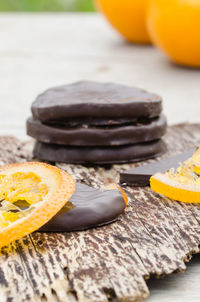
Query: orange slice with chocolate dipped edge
pixel 182 184
pixel 88 207
pixel 44 188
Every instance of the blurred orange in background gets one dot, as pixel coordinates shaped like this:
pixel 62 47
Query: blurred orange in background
pixel 174 26
pixel 128 18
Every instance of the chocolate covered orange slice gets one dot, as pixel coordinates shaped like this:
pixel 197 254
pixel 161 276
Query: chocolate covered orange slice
pixel 182 184
pixel 88 207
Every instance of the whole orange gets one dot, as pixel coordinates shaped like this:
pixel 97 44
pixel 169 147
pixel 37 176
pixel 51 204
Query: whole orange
pixel 128 17
pixel 174 26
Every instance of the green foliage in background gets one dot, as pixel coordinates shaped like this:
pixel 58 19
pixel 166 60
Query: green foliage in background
pixel 46 5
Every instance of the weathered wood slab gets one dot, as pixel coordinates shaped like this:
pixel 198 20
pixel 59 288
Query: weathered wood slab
pixel 153 236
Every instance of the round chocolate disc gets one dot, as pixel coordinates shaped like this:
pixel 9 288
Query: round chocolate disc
pixel 87 208
pixel 91 99
pixel 98 155
pixel 92 136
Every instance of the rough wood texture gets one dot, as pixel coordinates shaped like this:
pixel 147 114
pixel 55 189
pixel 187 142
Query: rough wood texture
pixel 111 263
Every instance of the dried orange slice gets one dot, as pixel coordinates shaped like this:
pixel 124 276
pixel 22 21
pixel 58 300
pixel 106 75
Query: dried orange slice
pixel 43 188
pixel 182 184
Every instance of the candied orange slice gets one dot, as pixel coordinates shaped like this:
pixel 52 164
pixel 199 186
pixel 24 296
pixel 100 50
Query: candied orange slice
pixel 31 194
pixel 182 184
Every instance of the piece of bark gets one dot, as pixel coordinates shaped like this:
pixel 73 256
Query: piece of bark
pixel 154 236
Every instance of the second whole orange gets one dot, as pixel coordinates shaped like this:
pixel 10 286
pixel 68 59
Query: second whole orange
pixel 174 26
pixel 127 17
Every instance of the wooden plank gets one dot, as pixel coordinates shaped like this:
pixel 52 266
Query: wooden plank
pixel 154 236
pixel 180 288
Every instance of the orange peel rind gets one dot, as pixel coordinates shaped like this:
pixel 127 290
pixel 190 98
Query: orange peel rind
pixel 44 188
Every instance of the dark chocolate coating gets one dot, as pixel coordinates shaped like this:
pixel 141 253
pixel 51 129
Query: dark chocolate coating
pixel 97 122
pixel 92 208
pixel 92 136
pixel 98 155
pixel 139 177
pixel 92 99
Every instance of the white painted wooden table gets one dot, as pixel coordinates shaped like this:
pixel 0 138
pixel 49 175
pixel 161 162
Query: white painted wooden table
pixel 42 50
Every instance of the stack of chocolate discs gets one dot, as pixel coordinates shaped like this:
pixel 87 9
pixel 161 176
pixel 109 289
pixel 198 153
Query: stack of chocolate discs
pixel 100 123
